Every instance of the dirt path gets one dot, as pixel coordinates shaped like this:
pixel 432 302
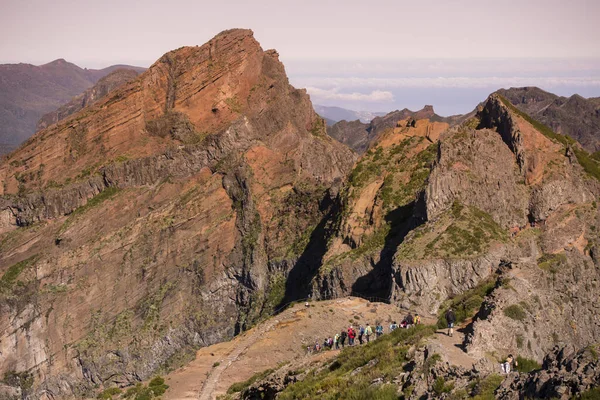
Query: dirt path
pixel 210 384
pixel 279 340
pixel 450 348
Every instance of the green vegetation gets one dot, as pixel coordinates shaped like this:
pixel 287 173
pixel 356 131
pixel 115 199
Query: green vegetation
pixel 275 293
pixel 234 104
pixel 155 388
pixel 12 273
pixel 386 357
pixel 241 386
pixel 318 129
pixel 440 386
pixel 463 231
pixel 552 262
pixel 109 393
pixel 466 304
pixel 527 365
pixel 590 163
pixel 516 312
pixel 95 201
pixel 23 380
pixel 592 394
pixel 483 389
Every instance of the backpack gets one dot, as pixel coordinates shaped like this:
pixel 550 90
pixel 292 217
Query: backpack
pixel 368 331
pixel 362 330
pixel 344 334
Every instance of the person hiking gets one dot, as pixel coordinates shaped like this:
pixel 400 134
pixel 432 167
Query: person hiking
pixel 343 336
pixel 450 319
pixel 508 364
pixel 368 332
pixel 417 319
pixel 379 330
pixel 351 336
pixel 410 320
pixel 361 333
pixel 393 326
pixel 336 341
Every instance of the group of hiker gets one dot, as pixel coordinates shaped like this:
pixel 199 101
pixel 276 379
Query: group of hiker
pixel 362 334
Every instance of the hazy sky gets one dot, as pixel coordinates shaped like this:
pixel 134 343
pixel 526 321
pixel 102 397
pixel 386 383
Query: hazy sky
pixel 336 48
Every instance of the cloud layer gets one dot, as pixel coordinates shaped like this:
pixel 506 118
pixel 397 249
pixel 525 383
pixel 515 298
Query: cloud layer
pixel 375 96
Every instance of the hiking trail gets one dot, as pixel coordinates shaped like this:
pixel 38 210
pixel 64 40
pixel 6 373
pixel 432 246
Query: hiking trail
pixel 209 386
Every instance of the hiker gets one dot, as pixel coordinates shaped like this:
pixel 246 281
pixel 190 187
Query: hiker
pixel 410 321
pixel 317 347
pixel 403 323
pixel 393 326
pixel 351 336
pixel 306 304
pixel 508 364
pixel 343 336
pixel 379 330
pixel 336 341
pixel 450 319
pixel 417 319
pixel 368 332
pixel 361 333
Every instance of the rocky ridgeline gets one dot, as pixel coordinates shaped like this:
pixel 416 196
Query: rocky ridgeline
pixel 160 219
pixel 191 202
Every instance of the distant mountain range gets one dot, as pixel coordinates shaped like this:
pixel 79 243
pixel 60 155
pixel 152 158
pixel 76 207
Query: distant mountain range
pixel 358 135
pixel 573 116
pixel 335 114
pixel 28 91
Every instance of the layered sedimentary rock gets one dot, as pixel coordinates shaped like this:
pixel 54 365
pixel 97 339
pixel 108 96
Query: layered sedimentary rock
pixel 164 217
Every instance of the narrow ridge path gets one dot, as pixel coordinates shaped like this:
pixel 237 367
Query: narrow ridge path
pixel 208 389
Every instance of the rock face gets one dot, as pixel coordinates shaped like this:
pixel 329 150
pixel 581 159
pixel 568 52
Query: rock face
pixel 574 116
pixel 27 92
pixel 102 88
pixel 358 135
pixel 565 374
pixel 495 190
pixel 164 217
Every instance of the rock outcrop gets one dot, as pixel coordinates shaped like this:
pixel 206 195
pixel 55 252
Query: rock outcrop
pixel 162 218
pixel 359 135
pixel 573 116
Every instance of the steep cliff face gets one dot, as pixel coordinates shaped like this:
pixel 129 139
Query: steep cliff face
pixel 498 190
pixel 164 217
pixel 533 206
pixel 573 116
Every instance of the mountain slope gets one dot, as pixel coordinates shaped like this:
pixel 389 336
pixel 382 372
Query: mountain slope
pixel 163 218
pixel 427 217
pixel 102 88
pixel 359 135
pixel 28 91
pixel 573 116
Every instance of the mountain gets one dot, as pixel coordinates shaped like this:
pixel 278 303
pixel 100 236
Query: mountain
pixel 103 87
pixel 163 218
pixel 496 218
pixel 28 91
pixel 359 135
pixel 192 204
pixel 335 114
pixel 573 116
